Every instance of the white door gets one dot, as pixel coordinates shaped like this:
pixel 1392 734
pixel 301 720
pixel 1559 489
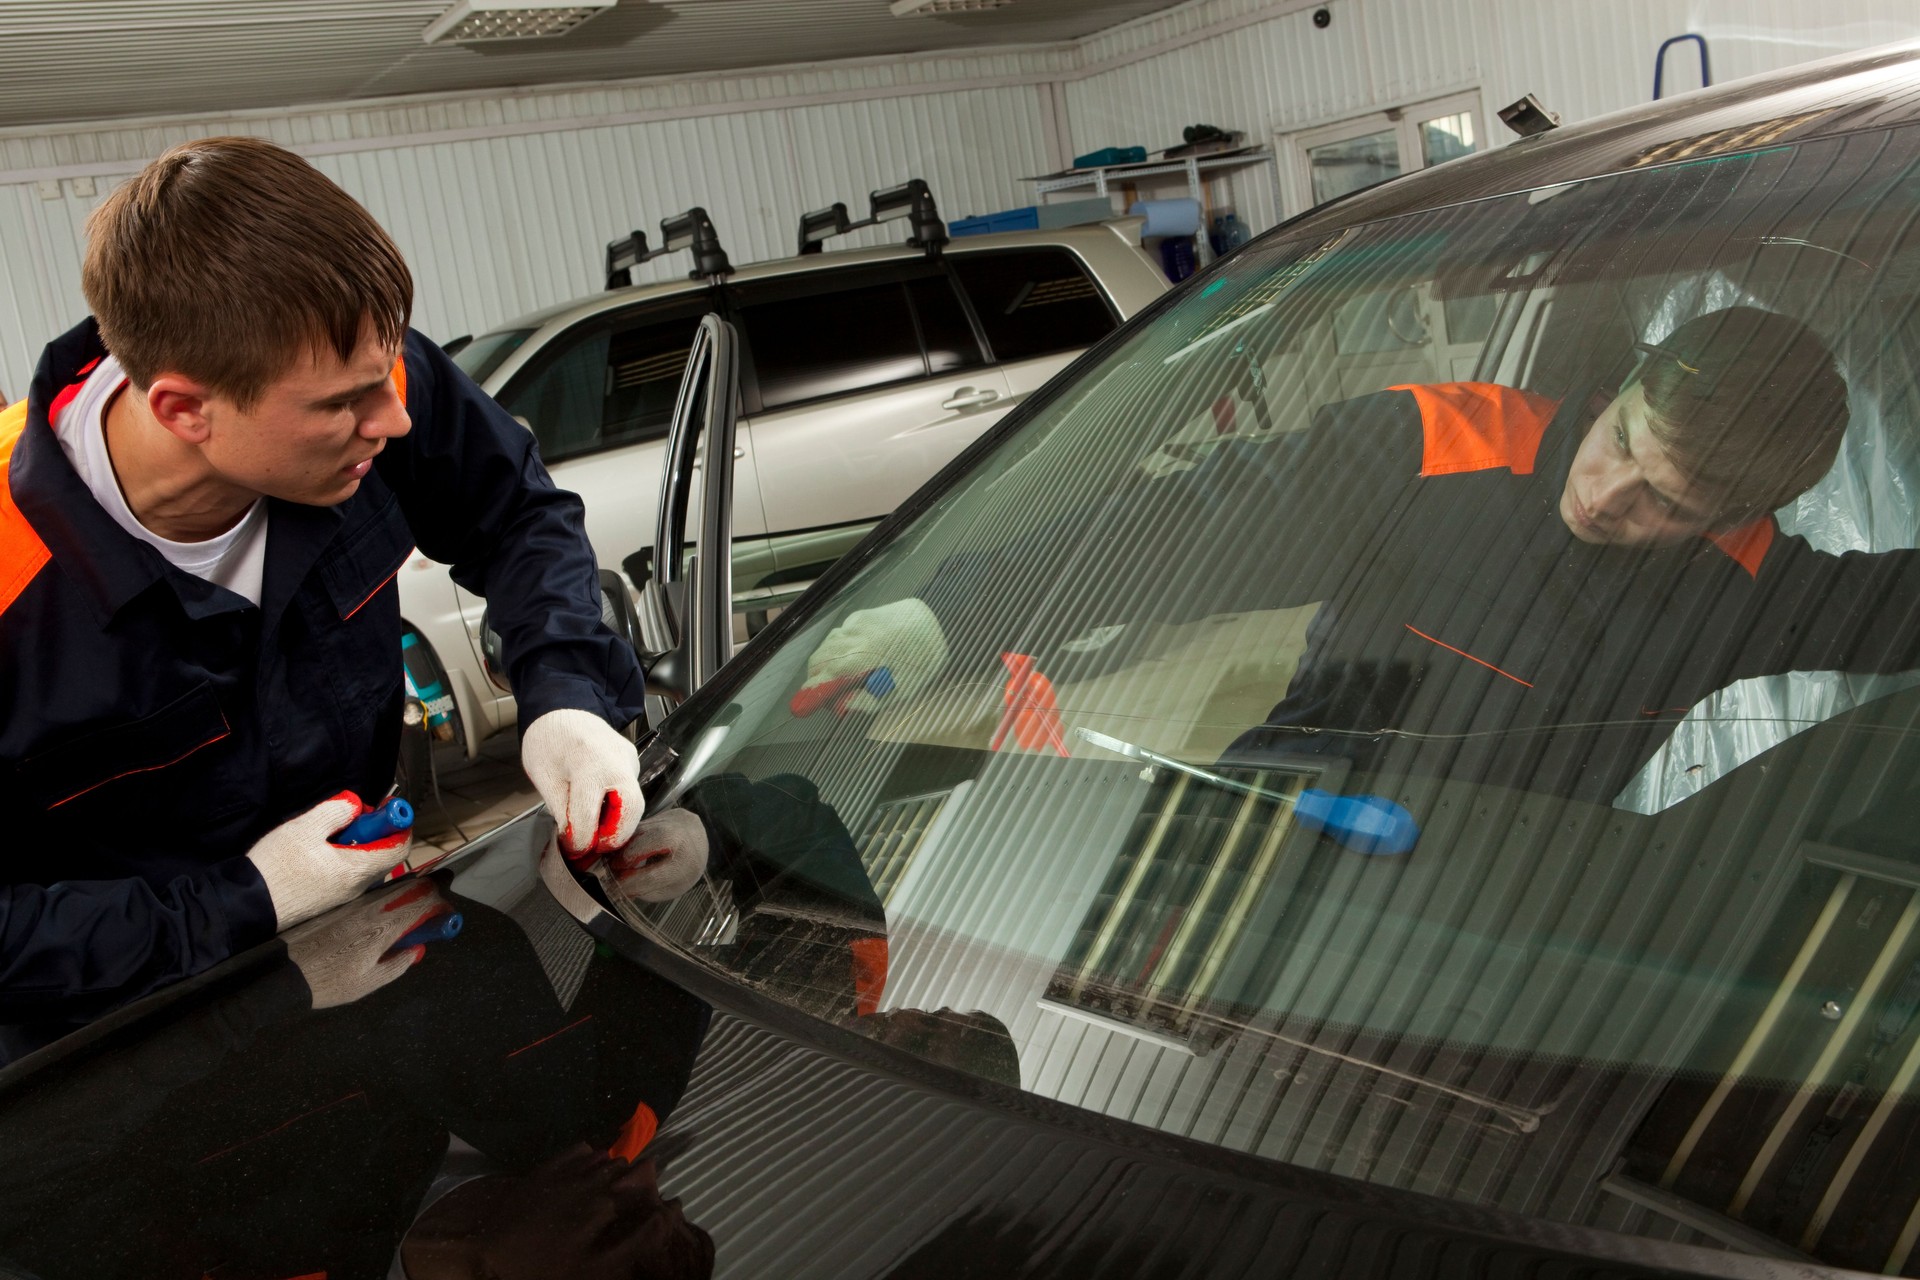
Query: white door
pixel 1333 159
pixel 858 457
pixel 864 383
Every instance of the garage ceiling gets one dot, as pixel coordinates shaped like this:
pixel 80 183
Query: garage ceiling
pixel 105 59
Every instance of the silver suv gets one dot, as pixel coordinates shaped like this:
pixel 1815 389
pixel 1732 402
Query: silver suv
pixel 862 374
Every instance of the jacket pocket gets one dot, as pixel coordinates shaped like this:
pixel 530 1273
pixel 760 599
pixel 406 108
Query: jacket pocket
pixel 365 560
pixel 356 615
pixel 84 765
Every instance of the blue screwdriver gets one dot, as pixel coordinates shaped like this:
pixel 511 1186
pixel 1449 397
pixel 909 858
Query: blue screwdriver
pixel 1364 824
pixel 390 819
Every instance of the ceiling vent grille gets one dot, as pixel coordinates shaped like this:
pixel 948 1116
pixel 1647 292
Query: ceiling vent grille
pixel 472 21
pixel 929 8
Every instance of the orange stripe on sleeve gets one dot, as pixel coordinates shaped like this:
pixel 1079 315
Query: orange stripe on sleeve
pixel 22 554
pixel 400 377
pixel 1479 426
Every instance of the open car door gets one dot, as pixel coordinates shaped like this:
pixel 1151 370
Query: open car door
pixel 686 619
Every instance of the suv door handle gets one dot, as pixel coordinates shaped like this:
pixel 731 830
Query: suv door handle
pixel 968 398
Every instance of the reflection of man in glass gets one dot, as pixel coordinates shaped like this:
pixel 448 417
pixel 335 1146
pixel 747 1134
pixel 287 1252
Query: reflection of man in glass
pixel 811 930
pixel 488 1110
pixel 1513 590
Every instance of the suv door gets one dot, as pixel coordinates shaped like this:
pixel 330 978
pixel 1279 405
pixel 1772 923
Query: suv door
pixel 860 384
pixel 600 400
pixel 1038 307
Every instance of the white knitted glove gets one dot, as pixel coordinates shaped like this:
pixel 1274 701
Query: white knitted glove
pixel 307 875
pixel 344 956
pixel 589 776
pixel 904 638
pixel 666 857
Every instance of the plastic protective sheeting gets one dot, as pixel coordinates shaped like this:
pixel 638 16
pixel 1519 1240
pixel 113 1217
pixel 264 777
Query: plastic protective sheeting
pixel 1865 503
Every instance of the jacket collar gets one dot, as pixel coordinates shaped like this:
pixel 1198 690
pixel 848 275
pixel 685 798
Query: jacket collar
pixel 109 564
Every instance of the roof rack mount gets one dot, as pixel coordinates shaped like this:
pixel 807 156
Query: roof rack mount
pixel 690 230
pixel 912 200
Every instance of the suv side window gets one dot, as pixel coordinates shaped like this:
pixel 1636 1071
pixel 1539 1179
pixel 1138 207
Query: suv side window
pixel 944 328
pixel 1033 302
pixel 602 385
pixel 821 344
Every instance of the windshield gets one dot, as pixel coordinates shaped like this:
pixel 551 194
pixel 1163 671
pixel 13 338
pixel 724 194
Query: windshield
pixel 489 351
pixel 1434 705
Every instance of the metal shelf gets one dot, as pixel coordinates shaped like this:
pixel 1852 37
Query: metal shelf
pixel 1103 178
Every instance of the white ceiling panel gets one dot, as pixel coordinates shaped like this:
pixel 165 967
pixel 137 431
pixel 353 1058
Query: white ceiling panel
pixel 104 59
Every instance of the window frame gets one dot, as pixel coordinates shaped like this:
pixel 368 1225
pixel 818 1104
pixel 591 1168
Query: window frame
pixel 696 303
pixel 838 279
pixel 994 358
pixel 1403 121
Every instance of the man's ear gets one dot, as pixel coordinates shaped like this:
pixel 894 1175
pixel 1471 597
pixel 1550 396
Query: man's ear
pixel 181 405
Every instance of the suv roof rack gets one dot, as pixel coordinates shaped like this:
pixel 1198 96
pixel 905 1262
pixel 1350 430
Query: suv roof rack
pixel 912 200
pixel 690 230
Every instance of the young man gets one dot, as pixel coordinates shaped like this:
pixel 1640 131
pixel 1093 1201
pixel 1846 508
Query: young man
pixel 210 486
pixel 1512 591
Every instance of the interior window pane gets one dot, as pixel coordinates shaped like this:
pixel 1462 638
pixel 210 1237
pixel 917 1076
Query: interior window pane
pixel 489 351
pixel 562 398
pixel 644 367
pixel 604 387
pixel 943 326
pixel 832 343
pixel 1033 302
pixel 1353 163
pixel 1447 138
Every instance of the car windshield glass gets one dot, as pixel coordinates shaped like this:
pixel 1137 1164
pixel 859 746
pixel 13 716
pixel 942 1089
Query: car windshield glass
pixel 489 351
pixel 1434 705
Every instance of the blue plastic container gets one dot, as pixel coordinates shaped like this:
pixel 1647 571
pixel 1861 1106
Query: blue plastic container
pixel 1110 155
pixel 1024 219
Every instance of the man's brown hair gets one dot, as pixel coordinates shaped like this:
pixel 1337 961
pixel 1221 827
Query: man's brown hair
pixel 1748 403
pixel 229 259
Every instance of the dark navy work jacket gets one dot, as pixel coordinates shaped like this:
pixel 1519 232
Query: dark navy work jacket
pixel 154 725
pixel 1463 631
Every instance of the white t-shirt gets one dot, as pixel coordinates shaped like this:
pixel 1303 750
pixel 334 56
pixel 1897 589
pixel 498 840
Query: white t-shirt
pixel 236 559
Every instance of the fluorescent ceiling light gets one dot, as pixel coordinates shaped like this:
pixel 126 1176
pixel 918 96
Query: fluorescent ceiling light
pixel 473 20
pixel 923 8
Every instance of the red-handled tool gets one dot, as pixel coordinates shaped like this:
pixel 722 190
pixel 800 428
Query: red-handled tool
pixel 877 681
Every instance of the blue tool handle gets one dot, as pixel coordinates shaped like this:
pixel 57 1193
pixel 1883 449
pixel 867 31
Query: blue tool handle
pixel 391 818
pixel 1364 824
pixel 438 929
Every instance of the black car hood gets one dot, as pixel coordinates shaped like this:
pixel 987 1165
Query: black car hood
pixel 225 1128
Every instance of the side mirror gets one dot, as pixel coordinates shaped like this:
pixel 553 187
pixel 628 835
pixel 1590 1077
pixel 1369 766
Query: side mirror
pixel 685 614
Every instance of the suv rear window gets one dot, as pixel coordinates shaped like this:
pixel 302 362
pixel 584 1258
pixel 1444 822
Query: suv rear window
pixel 1033 302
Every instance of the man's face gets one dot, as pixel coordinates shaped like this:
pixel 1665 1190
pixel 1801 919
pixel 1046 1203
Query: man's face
pixel 313 434
pixel 1625 491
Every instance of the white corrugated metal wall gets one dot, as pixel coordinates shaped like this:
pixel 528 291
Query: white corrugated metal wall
pixel 1223 62
pixel 502 202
